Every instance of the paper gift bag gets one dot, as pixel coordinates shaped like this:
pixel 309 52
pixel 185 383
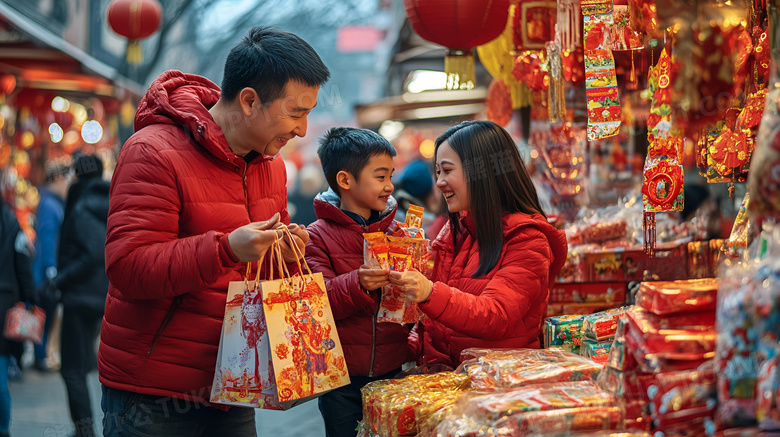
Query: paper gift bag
pixel 244 375
pixel 307 356
pixel 22 324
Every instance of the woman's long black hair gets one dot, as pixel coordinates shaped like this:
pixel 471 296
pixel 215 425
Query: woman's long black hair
pixel 498 184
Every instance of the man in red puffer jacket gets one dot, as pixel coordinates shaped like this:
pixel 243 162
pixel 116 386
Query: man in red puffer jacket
pixel 193 196
pixel 358 165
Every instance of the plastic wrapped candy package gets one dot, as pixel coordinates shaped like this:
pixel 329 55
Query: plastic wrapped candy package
pixel 390 407
pixel 597 351
pixel 502 369
pixel 686 334
pixel 603 325
pixel 480 414
pixel 605 433
pixel 678 296
pixel 735 364
pixel 563 332
pixel 626 385
pixel 620 358
pixel 566 420
pixel 766 309
pixel 679 397
pixel 740 233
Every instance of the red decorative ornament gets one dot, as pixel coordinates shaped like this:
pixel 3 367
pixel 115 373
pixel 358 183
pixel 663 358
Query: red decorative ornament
pixel 528 70
pixel 7 84
pixel 459 25
pixel 135 20
pixel 663 185
pixel 499 103
pixel 729 152
pixel 761 56
pixel 751 115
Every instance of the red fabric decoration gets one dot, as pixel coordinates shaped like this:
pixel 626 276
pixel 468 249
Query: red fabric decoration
pixel 528 70
pixel 744 49
pixel 761 56
pixel 458 24
pixel 753 111
pixel 729 151
pixel 134 19
pixel 499 103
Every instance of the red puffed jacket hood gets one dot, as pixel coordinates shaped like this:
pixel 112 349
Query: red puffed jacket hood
pixel 502 309
pixel 336 250
pixel 176 193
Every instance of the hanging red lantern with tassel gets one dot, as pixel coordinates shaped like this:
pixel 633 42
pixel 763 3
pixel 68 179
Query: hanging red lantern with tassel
pixel 135 20
pixel 459 25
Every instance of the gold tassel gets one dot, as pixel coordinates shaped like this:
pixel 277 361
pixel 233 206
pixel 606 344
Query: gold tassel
pixel 135 55
pixel 459 66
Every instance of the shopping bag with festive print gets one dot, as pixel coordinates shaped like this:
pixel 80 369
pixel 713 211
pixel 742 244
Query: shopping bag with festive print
pixel 308 360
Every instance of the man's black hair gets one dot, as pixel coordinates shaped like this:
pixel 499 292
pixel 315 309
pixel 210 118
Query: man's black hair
pixel 266 59
pixel 350 149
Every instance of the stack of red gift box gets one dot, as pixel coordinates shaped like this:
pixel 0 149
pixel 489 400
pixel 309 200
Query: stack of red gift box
pixel 661 360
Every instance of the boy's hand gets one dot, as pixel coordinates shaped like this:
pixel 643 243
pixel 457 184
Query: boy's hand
pixel 300 236
pixel 371 279
pixel 250 242
pixel 413 284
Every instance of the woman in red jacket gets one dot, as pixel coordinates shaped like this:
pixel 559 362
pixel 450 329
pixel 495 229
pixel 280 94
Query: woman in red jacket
pixel 496 258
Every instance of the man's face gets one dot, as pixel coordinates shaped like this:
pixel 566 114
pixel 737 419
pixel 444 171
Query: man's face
pixel 272 126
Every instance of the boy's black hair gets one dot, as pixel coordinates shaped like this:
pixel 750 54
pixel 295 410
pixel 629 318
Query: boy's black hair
pixel 349 149
pixel 266 59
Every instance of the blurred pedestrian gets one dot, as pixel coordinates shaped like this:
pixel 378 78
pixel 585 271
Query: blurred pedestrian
pixel 16 284
pixel 82 280
pixel 47 227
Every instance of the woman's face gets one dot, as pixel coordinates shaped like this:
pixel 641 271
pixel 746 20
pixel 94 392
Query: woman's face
pixel 451 179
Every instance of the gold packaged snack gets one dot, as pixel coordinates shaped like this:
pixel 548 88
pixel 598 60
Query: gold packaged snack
pixel 375 250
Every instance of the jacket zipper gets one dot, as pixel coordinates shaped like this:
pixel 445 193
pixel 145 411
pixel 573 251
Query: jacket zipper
pixel 246 192
pixel 373 340
pixel 168 316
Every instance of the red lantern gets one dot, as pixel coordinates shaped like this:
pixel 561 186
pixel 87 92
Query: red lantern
pixel 7 84
pixel 135 20
pixel 459 25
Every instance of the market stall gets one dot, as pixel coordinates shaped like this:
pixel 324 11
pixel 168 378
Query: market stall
pixel 656 325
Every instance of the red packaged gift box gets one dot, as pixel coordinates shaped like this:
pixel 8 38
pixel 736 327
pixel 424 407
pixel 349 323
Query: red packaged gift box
pixel 675 334
pixel 678 296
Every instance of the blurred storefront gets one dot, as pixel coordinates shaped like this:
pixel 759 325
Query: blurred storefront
pixel 56 100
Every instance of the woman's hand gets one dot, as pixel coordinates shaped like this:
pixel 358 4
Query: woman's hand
pixel 413 284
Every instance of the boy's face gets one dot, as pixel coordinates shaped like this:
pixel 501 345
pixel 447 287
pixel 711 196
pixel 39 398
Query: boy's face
pixel 374 187
pixel 284 119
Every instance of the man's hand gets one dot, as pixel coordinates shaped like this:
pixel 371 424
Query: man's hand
pixel 300 236
pixel 250 242
pixel 413 284
pixel 371 279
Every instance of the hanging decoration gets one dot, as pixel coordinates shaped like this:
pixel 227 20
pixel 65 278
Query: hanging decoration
pixel 662 189
pixel 459 25
pixel 726 145
pixel 498 58
pixel 534 24
pixel 556 100
pixel 569 24
pixel 574 66
pixel 499 103
pixel 643 18
pixel 604 113
pixel 529 70
pixel 135 20
pixel 623 36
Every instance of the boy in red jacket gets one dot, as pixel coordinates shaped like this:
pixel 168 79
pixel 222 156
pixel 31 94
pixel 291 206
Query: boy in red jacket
pixel 358 165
